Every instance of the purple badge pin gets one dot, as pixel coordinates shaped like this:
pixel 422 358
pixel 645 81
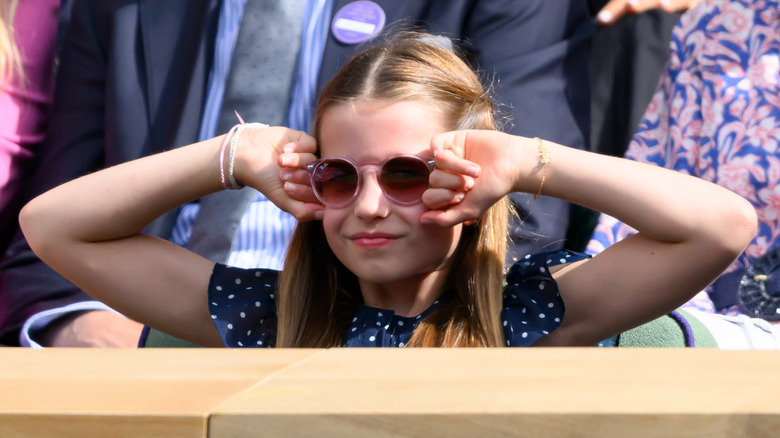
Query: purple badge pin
pixel 358 21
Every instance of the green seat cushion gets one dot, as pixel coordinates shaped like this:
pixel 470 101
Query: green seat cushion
pixel 158 339
pixel 666 332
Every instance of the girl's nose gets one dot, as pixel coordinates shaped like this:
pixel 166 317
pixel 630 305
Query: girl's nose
pixel 371 202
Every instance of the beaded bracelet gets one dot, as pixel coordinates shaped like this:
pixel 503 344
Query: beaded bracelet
pixel 544 159
pixel 230 182
pixel 229 135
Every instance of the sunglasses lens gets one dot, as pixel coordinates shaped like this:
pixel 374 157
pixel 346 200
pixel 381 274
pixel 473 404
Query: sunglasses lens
pixel 404 179
pixel 335 181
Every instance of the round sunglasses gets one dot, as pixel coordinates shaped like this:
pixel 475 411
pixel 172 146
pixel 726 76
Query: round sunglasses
pixel 337 181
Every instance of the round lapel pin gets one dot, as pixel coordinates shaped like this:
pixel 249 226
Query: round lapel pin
pixel 357 22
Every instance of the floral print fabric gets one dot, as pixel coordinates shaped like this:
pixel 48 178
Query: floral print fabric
pixel 715 115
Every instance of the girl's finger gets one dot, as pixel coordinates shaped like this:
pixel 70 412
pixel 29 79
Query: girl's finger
pixel 448 161
pixel 301 147
pixel 300 192
pixel 293 175
pixel 295 160
pixel 437 199
pixel 453 181
pixel 302 142
pixel 453 140
pixel 305 212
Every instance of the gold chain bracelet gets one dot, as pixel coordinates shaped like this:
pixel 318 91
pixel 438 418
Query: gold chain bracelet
pixel 544 159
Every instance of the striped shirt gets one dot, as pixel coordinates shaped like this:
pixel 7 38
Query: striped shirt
pixel 264 231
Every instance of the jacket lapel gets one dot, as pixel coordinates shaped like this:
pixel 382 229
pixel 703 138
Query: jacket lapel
pixel 176 40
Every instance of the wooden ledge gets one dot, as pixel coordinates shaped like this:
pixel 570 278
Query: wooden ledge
pixel 389 392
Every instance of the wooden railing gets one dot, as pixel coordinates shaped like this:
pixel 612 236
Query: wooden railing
pixel 566 392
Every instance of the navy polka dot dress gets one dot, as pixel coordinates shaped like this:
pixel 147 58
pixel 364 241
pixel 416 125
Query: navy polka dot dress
pixel 242 307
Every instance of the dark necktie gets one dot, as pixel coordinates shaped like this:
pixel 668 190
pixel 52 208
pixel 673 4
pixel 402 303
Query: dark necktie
pixel 258 87
pixel 261 75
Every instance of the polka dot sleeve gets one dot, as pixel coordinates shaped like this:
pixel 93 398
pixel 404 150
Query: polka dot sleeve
pixel 532 305
pixel 241 302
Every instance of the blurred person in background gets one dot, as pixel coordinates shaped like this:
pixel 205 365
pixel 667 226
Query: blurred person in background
pixel 716 115
pixel 28 35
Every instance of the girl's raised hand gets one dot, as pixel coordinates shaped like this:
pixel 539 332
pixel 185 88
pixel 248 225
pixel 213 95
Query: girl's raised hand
pixel 273 161
pixel 474 169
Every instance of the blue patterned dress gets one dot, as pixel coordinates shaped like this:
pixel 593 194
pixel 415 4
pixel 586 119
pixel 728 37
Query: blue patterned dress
pixel 242 306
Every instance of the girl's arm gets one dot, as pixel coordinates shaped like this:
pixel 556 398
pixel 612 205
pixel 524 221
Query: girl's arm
pixel 89 230
pixel 690 230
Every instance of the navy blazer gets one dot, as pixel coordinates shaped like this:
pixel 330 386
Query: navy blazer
pixel 132 82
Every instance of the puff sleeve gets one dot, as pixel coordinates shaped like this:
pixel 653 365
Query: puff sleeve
pixel 242 305
pixel 532 305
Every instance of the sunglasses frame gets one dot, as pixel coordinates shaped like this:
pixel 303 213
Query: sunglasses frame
pixel 359 168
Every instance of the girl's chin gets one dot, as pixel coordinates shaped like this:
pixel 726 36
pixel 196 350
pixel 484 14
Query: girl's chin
pixel 377 276
pixel 387 273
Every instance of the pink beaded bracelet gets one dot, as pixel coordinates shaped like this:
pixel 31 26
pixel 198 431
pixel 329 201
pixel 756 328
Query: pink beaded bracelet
pixel 231 138
pixel 227 140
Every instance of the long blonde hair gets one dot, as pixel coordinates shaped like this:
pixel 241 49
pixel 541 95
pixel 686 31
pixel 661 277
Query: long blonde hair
pixel 318 295
pixel 10 60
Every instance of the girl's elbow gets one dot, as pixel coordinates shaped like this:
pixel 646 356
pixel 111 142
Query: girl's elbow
pixel 743 225
pixel 32 221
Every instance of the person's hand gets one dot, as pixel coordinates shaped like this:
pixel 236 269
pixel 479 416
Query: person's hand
pixel 474 169
pixel 273 160
pixel 91 329
pixel 614 9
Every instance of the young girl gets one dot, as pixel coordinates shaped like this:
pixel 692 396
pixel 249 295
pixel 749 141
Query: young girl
pixel 401 200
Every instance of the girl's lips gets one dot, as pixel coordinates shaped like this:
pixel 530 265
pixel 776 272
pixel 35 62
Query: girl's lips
pixel 373 240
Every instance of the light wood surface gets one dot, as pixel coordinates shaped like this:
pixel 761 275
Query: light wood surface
pixel 514 392
pixel 389 392
pixel 125 393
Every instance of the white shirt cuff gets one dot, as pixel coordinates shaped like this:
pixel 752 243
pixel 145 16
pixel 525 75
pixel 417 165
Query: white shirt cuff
pixel 42 319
